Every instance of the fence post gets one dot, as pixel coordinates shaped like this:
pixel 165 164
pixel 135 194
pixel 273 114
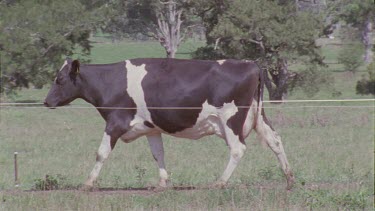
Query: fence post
pixel 16 181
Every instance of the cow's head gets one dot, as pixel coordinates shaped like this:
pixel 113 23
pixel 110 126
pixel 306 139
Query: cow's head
pixel 66 86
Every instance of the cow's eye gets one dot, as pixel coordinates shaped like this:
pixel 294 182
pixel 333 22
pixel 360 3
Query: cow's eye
pixel 59 80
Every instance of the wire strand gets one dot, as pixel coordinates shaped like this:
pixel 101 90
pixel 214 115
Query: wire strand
pixel 78 106
pixel 180 108
pixel 264 101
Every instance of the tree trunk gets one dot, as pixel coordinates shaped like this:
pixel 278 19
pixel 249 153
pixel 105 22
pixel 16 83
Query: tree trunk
pixel 277 84
pixel 169 33
pixel 367 39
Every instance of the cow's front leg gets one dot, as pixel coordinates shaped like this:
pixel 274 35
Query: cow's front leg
pixel 157 149
pixel 104 150
pixel 237 150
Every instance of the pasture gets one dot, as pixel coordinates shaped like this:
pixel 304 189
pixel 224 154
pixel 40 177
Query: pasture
pixel 330 149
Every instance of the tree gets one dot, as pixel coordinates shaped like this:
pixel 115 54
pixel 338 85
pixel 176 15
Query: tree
pixel 164 21
pixel 360 14
pixel 37 35
pixel 271 32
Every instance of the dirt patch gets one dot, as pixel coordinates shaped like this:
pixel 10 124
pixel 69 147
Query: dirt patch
pixel 146 191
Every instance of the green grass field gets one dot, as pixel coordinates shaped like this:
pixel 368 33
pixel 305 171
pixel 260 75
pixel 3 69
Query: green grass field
pixel 331 150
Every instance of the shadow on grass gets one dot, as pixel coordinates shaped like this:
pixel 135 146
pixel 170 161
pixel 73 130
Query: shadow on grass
pixel 26 103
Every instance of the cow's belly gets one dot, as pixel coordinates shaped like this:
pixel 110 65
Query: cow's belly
pixel 208 123
pixel 137 129
pixel 208 126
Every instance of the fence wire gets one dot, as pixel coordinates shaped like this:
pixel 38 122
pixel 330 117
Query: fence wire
pixel 280 106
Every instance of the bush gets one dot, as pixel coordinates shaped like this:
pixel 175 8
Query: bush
pixel 52 182
pixel 366 85
pixel 49 183
pixel 207 53
pixel 351 56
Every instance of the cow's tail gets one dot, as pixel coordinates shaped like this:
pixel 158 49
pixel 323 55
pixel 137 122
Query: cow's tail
pixel 260 115
pixel 260 94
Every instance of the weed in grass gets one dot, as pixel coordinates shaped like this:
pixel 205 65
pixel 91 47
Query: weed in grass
pixel 270 173
pixel 350 173
pixel 51 182
pixel 266 173
pixel 316 198
pixel 324 198
pixel 116 180
pixel 351 201
pixel 141 172
pixel 48 183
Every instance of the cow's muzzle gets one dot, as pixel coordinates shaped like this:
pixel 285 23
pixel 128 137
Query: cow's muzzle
pixel 48 105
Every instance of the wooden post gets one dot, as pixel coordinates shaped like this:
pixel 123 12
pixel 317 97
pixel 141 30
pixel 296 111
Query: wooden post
pixel 16 182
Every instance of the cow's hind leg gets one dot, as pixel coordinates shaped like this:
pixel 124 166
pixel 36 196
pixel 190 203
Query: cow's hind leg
pixel 103 152
pixel 157 149
pixel 273 140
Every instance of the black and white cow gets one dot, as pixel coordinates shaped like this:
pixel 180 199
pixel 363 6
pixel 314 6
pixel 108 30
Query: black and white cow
pixel 182 98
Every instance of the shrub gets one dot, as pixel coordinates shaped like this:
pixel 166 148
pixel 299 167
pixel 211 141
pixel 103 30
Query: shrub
pixel 366 85
pixel 351 56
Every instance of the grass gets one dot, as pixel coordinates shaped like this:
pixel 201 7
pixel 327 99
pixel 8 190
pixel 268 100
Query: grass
pixel 107 52
pixel 331 151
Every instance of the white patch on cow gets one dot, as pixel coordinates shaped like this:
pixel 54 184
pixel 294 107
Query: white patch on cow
pixel 62 67
pixel 249 121
pixel 221 61
pixel 135 75
pixel 237 149
pixel 208 123
pixel 163 174
pixel 102 154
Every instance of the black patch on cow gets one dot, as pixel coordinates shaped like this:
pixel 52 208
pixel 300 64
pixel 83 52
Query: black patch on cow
pixel 148 124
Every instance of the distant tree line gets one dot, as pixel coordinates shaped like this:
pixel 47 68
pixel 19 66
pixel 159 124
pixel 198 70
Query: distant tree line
pixel 37 34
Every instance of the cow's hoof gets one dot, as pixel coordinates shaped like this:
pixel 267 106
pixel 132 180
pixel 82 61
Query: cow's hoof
pixel 290 181
pixel 162 186
pixel 163 183
pixel 87 188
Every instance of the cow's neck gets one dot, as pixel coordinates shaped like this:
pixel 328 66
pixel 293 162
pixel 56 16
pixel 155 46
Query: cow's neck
pixel 92 86
pixel 104 90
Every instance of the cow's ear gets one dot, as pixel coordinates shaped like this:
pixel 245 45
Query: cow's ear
pixel 75 67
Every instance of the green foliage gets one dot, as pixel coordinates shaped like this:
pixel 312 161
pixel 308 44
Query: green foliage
pixel 48 183
pixel 207 53
pixel 271 32
pixel 128 18
pixel 351 56
pixel 356 12
pixel 37 35
pixel 133 18
pixel 366 85
pixel 311 79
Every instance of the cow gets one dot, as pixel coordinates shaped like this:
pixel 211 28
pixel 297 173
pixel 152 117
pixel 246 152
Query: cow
pixel 182 98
